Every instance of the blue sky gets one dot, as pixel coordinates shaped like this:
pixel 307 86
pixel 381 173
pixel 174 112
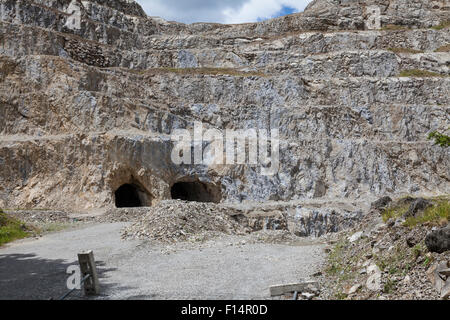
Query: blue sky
pixel 230 11
pixel 285 10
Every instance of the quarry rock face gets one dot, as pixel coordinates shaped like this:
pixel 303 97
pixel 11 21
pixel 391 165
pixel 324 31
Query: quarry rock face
pixel 91 91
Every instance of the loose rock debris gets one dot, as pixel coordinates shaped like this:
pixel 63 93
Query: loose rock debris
pixel 173 221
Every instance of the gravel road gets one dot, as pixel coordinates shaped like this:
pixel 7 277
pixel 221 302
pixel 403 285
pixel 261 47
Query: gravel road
pixel 224 268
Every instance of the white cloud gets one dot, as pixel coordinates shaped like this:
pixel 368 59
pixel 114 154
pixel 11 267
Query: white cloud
pixel 230 11
pixel 254 9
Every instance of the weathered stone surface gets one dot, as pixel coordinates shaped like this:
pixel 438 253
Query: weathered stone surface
pixel 445 272
pixel 373 283
pixel 437 275
pixel 353 289
pixel 445 293
pixel 381 203
pixel 356 236
pixel 439 240
pixel 278 290
pixel 417 207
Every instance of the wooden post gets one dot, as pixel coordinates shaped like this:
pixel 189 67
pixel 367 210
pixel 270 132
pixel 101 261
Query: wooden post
pixel 293 287
pixel 87 267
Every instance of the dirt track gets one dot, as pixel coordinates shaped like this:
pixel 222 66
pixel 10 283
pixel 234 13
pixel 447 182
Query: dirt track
pixel 229 267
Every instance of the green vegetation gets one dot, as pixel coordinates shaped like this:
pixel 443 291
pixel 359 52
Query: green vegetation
pixel 340 266
pixel 340 296
pixel 443 25
pixel 393 263
pixel 445 48
pixel 395 212
pixel 404 50
pixel 11 229
pixel 417 250
pixel 438 214
pixel 390 286
pixel 440 139
pixel 346 259
pixel 335 265
pixel 428 261
pixel 393 270
pixel 419 73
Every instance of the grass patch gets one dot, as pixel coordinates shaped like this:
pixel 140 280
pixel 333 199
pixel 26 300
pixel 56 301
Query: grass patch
pixel 390 286
pixel 445 48
pixel 438 214
pixel 443 25
pixel 418 250
pixel 395 212
pixel 338 266
pixel 404 50
pixel 340 296
pixel 428 261
pixel 11 229
pixel 208 71
pixel 335 265
pixel 440 139
pixel 419 73
pixel 392 264
pixel 393 270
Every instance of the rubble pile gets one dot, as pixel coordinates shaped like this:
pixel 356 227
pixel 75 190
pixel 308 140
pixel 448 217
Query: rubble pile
pixel 173 221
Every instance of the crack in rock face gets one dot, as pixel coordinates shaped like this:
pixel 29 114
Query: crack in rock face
pixel 340 99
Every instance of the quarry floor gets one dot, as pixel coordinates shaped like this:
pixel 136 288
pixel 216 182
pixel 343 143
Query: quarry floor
pixel 228 267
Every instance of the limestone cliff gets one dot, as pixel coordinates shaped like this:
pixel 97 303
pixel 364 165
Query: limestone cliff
pixel 90 92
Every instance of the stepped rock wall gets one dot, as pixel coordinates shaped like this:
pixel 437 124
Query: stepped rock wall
pixel 91 90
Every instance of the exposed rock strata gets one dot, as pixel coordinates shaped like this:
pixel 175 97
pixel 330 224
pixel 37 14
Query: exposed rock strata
pixel 91 90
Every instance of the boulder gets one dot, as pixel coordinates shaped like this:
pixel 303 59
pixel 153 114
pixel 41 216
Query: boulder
pixel 445 293
pixel 445 272
pixel 439 240
pixel 437 274
pixel 417 206
pixel 373 283
pixel 353 289
pixel 355 237
pixel 381 203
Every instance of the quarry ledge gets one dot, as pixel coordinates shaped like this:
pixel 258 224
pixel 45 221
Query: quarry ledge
pixel 166 138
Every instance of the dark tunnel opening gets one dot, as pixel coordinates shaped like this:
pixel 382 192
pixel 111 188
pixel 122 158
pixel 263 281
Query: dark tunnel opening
pixel 127 196
pixel 196 192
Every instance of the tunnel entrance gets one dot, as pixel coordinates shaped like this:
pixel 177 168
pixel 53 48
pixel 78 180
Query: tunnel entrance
pixel 127 196
pixel 196 192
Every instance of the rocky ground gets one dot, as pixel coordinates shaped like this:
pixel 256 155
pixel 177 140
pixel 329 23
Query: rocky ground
pixel 389 257
pixel 171 221
pixel 177 220
pixel 399 251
